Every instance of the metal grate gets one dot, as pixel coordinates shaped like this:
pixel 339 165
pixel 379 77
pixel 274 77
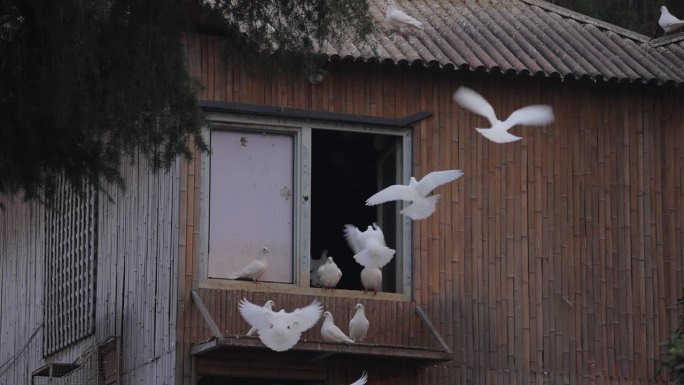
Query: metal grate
pixel 70 255
pixel 97 366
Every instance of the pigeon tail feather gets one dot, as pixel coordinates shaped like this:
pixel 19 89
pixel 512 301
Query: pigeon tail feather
pixel 366 257
pixel 421 209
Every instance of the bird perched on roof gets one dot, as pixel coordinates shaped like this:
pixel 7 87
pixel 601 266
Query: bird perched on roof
pixel 358 325
pixel 330 332
pixel 280 331
pixel 269 306
pixel 668 22
pixel 397 19
pixel 329 274
pixel 362 380
pixel 422 206
pixel 253 269
pixel 536 115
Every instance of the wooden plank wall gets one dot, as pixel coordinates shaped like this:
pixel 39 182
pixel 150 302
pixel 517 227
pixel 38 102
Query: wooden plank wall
pixel 135 280
pixel 555 259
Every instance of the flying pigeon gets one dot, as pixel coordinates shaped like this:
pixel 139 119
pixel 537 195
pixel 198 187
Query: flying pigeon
pixel 269 306
pixel 358 325
pixel 280 331
pixel 329 274
pixel 371 278
pixel 536 115
pixel 369 246
pixel 398 19
pixel 330 332
pixel 314 281
pixel 253 269
pixel 422 206
pixel 668 22
pixel 362 380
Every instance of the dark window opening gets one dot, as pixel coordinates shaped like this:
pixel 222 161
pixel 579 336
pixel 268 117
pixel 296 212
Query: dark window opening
pixel 347 168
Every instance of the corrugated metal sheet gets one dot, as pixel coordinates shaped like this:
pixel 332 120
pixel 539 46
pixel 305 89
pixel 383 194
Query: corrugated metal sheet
pixel 519 36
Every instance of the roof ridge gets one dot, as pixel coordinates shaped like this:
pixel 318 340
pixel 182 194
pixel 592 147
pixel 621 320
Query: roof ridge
pixel 667 39
pixel 589 20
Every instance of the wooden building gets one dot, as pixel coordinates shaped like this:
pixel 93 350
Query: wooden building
pixel 554 259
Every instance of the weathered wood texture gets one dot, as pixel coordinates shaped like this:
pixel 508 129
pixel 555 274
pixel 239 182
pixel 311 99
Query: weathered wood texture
pixel 135 280
pixel 555 259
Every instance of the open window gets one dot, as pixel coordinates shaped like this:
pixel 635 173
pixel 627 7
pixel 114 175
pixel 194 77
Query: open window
pixel 291 186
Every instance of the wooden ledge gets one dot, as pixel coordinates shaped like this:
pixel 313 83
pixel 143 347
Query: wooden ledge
pixel 323 349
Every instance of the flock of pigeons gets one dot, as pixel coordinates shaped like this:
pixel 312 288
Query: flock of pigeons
pixel 280 331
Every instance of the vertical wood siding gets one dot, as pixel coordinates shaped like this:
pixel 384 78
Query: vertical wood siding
pixel 555 259
pixel 135 280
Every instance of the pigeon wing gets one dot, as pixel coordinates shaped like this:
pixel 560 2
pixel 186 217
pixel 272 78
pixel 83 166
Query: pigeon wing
pixel 255 315
pixel 537 115
pixel 471 100
pixel 354 238
pixel 401 17
pixel 391 193
pixel 305 318
pixel 436 178
pixel 362 380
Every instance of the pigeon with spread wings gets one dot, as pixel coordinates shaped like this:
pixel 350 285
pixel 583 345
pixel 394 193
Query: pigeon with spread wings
pixel 537 115
pixel 280 331
pixel 422 206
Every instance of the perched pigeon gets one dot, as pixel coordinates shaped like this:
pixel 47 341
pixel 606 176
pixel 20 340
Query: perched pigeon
pixel 280 331
pixel 253 269
pixel 369 246
pixel 269 306
pixel 422 206
pixel 398 19
pixel 329 274
pixel 536 115
pixel 332 333
pixel 668 22
pixel 358 325
pixel 362 380
pixel 314 281
pixel 371 278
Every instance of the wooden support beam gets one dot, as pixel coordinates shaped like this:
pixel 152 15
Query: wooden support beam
pixel 424 317
pixel 205 314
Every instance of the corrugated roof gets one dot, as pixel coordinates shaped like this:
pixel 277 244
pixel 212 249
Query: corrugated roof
pixel 520 36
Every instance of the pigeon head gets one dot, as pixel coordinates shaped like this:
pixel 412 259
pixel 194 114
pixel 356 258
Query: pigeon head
pixel 330 260
pixel 269 304
pixel 390 2
pixel 264 250
pixel 358 306
pixel 327 315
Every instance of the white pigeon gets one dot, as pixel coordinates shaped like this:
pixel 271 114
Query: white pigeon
pixel 422 206
pixel 362 380
pixel 358 325
pixel 253 269
pixel 398 19
pixel 280 331
pixel 329 274
pixel 537 115
pixel 668 22
pixel 330 332
pixel 268 305
pixel 369 246
pixel 313 269
pixel 371 279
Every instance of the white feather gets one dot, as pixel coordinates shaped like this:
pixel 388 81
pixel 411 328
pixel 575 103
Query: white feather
pixel 253 269
pixel 330 332
pixel 358 325
pixel 668 22
pixel 362 380
pixel 329 274
pixel 371 278
pixel 280 331
pixel 422 206
pixel 536 115
pixel 313 270
pixel 398 19
pixel 369 246
pixel 269 306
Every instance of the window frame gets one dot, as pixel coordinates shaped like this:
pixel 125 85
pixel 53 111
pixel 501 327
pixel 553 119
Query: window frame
pixel 301 129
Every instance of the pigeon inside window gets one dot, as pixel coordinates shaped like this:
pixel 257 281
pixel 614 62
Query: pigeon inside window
pixel 275 194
